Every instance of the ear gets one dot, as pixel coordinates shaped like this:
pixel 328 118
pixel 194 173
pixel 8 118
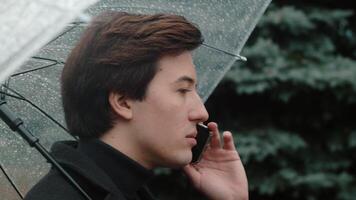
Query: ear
pixel 120 105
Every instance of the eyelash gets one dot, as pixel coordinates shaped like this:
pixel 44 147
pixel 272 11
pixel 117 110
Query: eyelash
pixel 183 91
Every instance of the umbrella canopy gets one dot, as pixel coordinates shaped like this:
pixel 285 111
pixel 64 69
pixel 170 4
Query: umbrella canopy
pixel 28 25
pixel 33 90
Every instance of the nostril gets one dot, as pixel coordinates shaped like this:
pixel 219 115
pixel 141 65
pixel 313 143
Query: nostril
pixel 198 112
pixel 205 115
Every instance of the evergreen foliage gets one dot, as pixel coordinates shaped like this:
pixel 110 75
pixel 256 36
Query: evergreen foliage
pixel 293 104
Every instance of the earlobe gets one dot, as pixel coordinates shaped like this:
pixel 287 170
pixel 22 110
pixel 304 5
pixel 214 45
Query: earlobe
pixel 120 105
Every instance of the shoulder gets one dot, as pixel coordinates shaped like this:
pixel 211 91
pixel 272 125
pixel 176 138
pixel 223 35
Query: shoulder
pixel 53 186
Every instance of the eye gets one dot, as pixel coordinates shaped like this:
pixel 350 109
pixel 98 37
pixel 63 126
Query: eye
pixel 184 90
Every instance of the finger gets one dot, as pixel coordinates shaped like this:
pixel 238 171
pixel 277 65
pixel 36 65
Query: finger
pixel 228 141
pixel 215 137
pixel 192 173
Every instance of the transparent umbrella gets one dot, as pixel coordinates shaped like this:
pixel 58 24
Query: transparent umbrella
pixel 33 90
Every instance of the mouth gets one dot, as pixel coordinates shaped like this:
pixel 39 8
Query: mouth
pixel 192 135
pixel 191 138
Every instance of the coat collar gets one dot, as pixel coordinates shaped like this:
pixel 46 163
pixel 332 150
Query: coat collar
pixel 66 154
pixel 83 161
pixel 128 175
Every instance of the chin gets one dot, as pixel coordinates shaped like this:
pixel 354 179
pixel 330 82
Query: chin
pixel 183 161
pixel 178 161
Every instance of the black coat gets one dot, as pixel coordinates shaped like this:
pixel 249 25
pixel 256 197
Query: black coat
pixel 90 177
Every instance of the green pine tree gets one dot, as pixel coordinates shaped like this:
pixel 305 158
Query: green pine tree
pixel 293 104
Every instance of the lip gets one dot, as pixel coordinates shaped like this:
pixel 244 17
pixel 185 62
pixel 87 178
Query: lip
pixel 192 135
pixel 191 141
pixel 191 138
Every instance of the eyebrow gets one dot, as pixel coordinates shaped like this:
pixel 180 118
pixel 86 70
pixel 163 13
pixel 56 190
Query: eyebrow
pixel 186 79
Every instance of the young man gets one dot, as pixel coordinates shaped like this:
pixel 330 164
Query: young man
pixel 129 93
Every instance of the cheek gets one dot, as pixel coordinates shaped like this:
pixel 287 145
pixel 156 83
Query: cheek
pixel 163 114
pixel 168 120
pixel 168 105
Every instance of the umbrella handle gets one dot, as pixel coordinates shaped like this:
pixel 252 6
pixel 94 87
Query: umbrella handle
pixel 16 124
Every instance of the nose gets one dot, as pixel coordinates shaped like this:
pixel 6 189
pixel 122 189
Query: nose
pixel 198 112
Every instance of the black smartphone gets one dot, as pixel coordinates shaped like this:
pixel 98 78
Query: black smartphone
pixel 203 139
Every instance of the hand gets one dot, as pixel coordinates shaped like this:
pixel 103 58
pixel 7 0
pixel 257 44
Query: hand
pixel 220 174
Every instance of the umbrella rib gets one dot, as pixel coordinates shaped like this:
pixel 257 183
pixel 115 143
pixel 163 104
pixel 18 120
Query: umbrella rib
pixel 239 57
pixel 3 95
pixel 55 62
pixel 38 108
pixel 11 181
pixel 64 32
pixel 11 95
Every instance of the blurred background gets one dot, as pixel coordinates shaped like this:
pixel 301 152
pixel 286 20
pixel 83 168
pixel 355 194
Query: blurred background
pixel 291 107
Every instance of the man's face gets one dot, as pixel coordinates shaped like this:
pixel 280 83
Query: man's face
pixel 165 121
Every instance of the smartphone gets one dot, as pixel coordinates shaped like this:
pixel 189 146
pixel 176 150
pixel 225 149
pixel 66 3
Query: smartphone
pixel 203 139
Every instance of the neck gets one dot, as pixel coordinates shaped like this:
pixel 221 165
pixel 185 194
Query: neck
pixel 119 138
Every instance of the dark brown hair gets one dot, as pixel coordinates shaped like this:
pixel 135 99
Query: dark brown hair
pixel 118 52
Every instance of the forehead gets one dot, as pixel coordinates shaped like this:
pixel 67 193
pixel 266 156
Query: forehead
pixel 174 67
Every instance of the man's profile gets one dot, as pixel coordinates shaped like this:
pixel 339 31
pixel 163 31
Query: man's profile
pixel 129 93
